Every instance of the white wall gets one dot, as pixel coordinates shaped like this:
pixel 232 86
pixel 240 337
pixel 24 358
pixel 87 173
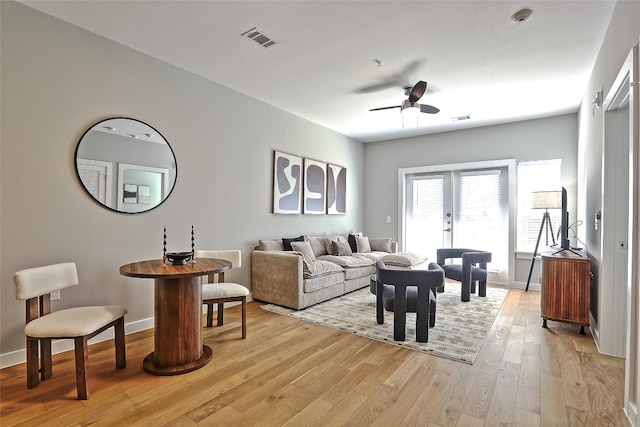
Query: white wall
pixel 621 37
pixel 549 138
pixel 57 80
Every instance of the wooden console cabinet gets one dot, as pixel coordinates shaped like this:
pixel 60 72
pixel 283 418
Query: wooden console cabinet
pixel 565 289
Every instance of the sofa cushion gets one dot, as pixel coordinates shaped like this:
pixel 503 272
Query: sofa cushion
pixel 305 249
pixel 319 268
pixel 286 242
pixel 381 245
pixel 340 249
pixel 318 244
pixel 374 255
pixel 322 284
pixel 403 259
pixel 355 260
pixel 358 272
pixel 362 243
pixel 270 245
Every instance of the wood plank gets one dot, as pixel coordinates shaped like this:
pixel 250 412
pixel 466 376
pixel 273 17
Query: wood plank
pixel 289 372
pixel 552 404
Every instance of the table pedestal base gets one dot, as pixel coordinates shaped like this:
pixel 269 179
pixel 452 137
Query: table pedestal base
pixel 149 366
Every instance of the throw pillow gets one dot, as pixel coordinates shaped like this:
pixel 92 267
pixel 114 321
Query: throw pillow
pixel 403 259
pixel 362 243
pixel 381 245
pixel 286 242
pixel 341 249
pixel 318 244
pixel 352 241
pixel 305 249
pixel 329 246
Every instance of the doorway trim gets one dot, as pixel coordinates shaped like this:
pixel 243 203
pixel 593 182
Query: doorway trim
pixel 632 340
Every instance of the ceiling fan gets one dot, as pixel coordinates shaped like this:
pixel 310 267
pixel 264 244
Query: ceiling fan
pixel 414 94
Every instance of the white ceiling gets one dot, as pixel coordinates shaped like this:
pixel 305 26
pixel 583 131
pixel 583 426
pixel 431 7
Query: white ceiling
pixel 476 60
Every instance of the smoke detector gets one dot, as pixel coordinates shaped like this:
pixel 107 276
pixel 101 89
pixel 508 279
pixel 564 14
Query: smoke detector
pixel 522 15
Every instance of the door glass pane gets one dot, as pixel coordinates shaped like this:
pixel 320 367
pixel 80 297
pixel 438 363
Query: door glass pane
pixel 478 215
pixel 478 208
pixel 424 214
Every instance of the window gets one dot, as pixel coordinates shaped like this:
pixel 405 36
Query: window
pixel 543 175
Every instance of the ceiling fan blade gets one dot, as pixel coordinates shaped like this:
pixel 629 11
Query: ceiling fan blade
pixel 417 91
pixel 376 87
pixel 429 109
pixel 398 79
pixel 385 108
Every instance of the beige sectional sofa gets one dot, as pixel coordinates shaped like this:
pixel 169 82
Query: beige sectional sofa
pixel 316 269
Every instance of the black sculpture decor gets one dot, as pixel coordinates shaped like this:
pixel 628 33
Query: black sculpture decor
pixel 193 247
pixel 164 247
pixel 178 258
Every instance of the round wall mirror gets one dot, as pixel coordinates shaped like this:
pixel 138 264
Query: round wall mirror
pixel 125 165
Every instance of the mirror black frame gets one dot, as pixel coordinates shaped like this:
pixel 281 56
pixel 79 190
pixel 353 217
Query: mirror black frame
pixel 170 185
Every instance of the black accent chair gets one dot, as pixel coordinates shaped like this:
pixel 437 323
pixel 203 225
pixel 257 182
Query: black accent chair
pixel 473 269
pixel 407 291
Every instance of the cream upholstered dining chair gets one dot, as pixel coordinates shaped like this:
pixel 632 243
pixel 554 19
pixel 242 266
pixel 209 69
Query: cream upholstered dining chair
pixel 80 323
pixel 217 291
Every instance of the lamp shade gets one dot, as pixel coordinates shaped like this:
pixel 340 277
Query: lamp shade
pixel 546 200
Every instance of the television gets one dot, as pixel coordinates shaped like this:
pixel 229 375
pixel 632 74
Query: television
pixel 565 244
pixel 564 222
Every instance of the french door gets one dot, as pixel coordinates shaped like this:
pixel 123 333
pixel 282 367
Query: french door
pixel 459 208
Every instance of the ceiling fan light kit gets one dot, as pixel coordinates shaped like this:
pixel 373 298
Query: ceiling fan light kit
pixel 409 115
pixel 410 105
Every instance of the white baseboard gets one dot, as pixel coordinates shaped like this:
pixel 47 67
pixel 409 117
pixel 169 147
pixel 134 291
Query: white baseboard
pixel 523 285
pixel 60 346
pixel 631 411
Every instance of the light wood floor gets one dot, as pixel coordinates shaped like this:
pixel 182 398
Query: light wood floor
pixel 292 373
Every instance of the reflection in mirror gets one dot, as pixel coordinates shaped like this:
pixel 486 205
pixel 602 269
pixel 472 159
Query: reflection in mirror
pixel 143 162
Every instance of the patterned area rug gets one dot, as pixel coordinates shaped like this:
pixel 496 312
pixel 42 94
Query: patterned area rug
pixel 460 329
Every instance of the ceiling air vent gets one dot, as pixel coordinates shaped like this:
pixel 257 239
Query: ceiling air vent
pixel 259 37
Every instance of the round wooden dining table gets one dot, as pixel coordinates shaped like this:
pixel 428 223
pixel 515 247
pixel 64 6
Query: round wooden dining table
pixel 178 346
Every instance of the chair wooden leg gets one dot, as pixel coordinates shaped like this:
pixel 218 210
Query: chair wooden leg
pixel 121 357
pixel 32 363
pixel 244 317
pixel 46 364
pixel 220 313
pixel 209 315
pixel 82 356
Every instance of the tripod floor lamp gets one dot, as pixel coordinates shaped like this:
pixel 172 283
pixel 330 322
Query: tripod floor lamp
pixel 544 200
